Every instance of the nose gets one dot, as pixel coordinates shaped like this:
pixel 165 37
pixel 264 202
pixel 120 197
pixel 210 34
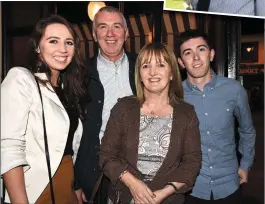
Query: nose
pixel 63 47
pixel 153 71
pixel 196 56
pixel 110 32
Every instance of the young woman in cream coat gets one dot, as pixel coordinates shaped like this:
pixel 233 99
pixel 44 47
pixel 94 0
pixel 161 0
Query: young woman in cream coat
pixel 55 61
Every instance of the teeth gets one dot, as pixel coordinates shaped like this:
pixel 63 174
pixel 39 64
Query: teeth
pixel 111 41
pixel 198 65
pixel 60 59
pixel 154 80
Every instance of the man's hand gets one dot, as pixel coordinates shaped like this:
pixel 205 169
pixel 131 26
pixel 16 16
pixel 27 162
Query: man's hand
pixel 243 176
pixel 81 197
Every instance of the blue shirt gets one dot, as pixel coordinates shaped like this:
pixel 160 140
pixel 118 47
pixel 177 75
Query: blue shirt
pixel 221 99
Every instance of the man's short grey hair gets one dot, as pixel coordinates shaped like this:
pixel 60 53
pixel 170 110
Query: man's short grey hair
pixel 109 9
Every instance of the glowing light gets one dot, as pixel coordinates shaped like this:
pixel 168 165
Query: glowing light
pixel 93 8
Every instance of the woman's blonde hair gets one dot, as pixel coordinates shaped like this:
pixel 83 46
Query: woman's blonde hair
pixel 159 50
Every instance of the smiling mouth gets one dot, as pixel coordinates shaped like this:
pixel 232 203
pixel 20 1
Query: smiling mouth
pixel 154 79
pixel 197 65
pixel 60 59
pixel 110 41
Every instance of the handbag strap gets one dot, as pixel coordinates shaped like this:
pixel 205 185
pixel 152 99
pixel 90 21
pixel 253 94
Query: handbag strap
pixel 203 5
pixel 96 187
pixel 46 145
pixel 3 190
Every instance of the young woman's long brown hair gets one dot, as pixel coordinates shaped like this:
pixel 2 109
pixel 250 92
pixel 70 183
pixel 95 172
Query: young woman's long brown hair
pixel 74 78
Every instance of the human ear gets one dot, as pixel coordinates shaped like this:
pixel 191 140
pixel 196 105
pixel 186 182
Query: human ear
pixel 212 53
pixel 95 36
pixel 181 62
pixel 126 34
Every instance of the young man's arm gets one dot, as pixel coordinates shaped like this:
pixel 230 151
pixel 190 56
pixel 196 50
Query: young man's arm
pixel 247 134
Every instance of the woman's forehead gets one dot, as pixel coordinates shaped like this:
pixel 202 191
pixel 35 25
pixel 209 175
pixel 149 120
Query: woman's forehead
pixel 148 56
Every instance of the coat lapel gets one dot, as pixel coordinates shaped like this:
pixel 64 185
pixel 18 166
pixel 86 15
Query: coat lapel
pixel 133 130
pixel 174 146
pixel 132 59
pixel 48 91
pixel 174 149
pixel 91 64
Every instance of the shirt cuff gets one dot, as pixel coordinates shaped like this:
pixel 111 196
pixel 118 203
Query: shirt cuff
pixel 244 166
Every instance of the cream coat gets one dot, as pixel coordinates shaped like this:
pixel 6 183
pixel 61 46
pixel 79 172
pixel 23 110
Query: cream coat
pixel 22 138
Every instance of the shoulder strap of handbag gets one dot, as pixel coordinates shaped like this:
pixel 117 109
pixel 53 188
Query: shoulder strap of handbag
pixel 96 187
pixel 3 191
pixel 203 5
pixel 46 145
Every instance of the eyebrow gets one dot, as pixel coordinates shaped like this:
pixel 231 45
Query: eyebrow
pixel 101 24
pixel 114 24
pixel 118 24
pixel 52 37
pixel 202 45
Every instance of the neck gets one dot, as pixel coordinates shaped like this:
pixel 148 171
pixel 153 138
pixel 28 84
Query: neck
pixel 54 78
pixel 200 82
pixel 113 58
pixel 155 100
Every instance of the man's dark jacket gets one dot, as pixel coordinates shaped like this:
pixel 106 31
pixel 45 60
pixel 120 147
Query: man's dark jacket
pixel 87 162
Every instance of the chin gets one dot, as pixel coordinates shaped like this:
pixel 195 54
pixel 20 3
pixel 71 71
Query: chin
pixel 114 52
pixel 198 74
pixel 60 68
pixel 154 90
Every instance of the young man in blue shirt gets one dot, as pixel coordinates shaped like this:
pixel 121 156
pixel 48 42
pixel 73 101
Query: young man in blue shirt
pixel 217 100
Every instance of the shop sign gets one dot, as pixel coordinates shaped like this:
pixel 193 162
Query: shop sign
pixel 251 69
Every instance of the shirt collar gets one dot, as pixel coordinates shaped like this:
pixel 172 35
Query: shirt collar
pixel 107 62
pixel 211 83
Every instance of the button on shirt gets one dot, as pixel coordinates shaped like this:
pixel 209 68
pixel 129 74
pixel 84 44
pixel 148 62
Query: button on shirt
pixel 114 77
pixel 221 99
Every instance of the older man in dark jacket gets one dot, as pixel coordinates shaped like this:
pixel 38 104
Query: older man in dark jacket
pixel 112 77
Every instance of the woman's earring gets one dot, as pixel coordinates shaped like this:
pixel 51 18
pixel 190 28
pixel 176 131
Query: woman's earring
pixel 38 50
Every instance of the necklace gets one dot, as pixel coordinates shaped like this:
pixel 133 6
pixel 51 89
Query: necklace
pixel 152 112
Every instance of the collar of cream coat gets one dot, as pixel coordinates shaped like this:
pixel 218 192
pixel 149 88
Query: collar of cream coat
pixel 48 90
